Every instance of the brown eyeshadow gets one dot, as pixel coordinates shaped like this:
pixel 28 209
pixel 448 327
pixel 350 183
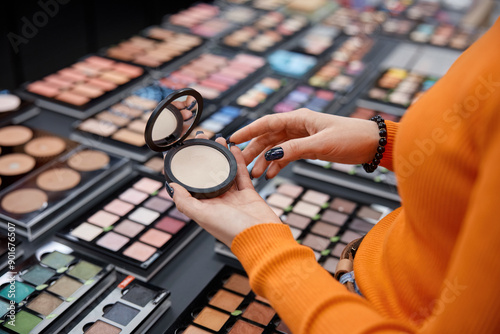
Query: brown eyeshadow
pixel 45 147
pixel 315 242
pixel 343 205
pixel 24 200
pixel 88 160
pixel 297 221
pixel 211 319
pixel 44 303
pixel 369 213
pixel 238 283
pixel 324 229
pixel 58 179
pixel 15 135
pixel 243 327
pixel 259 313
pixel 156 164
pixel 226 300
pixel 16 164
pixel 64 286
pixel 101 327
pixel 334 217
pixel 194 330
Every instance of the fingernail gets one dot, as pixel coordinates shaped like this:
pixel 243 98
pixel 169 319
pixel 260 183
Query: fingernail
pixel 169 189
pixel 266 178
pixel 251 176
pixel 274 154
pixel 218 135
pixel 228 140
pixel 199 132
pixel 192 105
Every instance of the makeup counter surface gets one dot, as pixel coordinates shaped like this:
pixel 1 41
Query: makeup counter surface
pixel 106 251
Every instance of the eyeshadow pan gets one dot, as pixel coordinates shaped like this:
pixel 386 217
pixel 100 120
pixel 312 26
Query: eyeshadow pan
pixel 121 313
pixel 330 264
pixel 24 322
pixel 65 286
pixel 194 330
pixel 86 231
pixel 338 249
pixel 297 221
pixel 179 215
pixel 243 327
pixel 112 241
pixel 279 200
pixel 38 275
pixel 147 185
pixel 103 219
pixel 315 197
pixel 118 207
pixel 295 232
pixel 57 260
pixel 343 205
pixel 84 270
pixel 144 216
pixel 325 229
pixel 361 225
pixel 170 225
pixel 211 319
pixel 226 300
pixel 4 308
pixel 133 196
pixel 22 291
pixel 101 327
pixel 129 228
pixel 155 238
pixel 139 251
pixel 369 213
pixel 158 204
pixel 306 209
pixel 315 242
pixel 334 217
pixel 139 295
pixel 290 190
pixel 238 283
pixel 44 303
pixel 259 313
pixel 349 236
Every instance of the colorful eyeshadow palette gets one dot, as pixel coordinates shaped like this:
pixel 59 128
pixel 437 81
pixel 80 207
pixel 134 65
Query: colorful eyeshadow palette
pixel 354 23
pixel 400 87
pixel 397 27
pixel 444 34
pixel 159 48
pixel 137 227
pixel 33 202
pixel 15 110
pixel 261 91
pixel 228 305
pixel 49 289
pixel 131 307
pixel 293 64
pixel 79 90
pixel 344 65
pixel 23 150
pixel 317 40
pixel 305 97
pixel 214 74
pixel 270 30
pixel 219 121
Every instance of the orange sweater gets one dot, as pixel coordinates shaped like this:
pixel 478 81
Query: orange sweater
pixel 430 266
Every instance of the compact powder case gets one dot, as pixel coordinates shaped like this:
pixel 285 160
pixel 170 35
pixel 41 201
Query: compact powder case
pixel 204 167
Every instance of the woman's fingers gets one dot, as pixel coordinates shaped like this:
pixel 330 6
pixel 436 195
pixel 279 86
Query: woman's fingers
pixel 264 125
pixel 186 203
pixel 242 177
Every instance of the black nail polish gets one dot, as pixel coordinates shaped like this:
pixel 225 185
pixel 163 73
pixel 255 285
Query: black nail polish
pixel 191 106
pixel 250 173
pixel 218 135
pixel 274 154
pixel 169 189
pixel 266 178
pixel 228 140
pixel 199 132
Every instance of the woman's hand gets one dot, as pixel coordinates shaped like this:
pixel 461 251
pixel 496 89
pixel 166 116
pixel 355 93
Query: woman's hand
pixel 229 214
pixel 305 134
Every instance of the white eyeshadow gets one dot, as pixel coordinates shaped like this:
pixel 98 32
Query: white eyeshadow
pixel 200 166
pixel 86 231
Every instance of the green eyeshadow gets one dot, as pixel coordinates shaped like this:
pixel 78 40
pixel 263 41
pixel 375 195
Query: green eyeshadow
pixel 84 270
pixel 24 322
pixel 57 260
pixel 38 275
pixel 4 308
pixel 21 291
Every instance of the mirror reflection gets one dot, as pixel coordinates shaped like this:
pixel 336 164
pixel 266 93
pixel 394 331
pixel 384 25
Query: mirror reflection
pixel 174 120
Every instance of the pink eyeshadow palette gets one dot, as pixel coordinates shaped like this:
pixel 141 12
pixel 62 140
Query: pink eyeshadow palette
pixel 82 86
pixel 214 74
pixel 135 227
pixel 344 65
pixel 228 305
pixel 353 23
pixel 159 48
pixel 261 91
pixel 305 97
pixel 317 40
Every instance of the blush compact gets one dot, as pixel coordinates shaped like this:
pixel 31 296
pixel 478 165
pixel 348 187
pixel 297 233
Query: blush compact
pixel 203 167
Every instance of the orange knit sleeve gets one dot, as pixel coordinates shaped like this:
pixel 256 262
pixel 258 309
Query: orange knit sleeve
pixel 392 130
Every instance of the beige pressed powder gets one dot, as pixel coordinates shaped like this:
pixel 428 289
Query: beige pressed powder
pixel 44 147
pixel 24 200
pixel 58 179
pixel 88 160
pixel 15 135
pixel 16 164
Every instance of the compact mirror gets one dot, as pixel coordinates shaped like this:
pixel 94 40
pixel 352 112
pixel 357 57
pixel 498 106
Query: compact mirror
pixel 204 167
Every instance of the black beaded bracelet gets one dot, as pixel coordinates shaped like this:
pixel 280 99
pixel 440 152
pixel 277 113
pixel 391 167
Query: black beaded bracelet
pixel 382 131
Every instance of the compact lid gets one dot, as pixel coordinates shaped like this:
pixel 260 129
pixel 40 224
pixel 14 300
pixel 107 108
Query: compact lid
pixel 173 119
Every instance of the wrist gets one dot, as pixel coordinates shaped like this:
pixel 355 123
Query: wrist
pixel 370 166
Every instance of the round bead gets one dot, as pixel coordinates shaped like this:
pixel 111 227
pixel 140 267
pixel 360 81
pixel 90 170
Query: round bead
pixel 383 133
pixel 381 125
pixel 376 162
pixel 382 141
pixel 378 156
pixel 380 149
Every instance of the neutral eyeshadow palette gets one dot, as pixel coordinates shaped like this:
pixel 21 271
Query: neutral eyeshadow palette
pixel 137 227
pixel 50 288
pixel 354 23
pixel 318 220
pixel 14 109
pixel 317 40
pixel 261 91
pixel 444 34
pixel 129 306
pixel 304 96
pixel 32 202
pixel 156 49
pixel 24 150
pixel 80 88
pixel 228 305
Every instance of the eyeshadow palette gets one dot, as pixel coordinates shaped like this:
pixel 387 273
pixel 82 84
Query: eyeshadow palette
pixel 32 203
pixel 400 87
pixel 14 110
pixel 444 34
pixel 318 220
pixel 317 40
pixel 81 89
pixel 131 307
pixel 49 289
pixel 344 65
pixel 137 227
pixel 398 27
pixel 214 74
pixel 261 91
pixel 228 305
pixel 354 23
pixel 220 121
pixel 290 63
pixel 305 97
pixel 159 48
pixel 267 32
pixel 23 150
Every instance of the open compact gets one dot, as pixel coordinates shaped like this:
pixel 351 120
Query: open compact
pixel 203 167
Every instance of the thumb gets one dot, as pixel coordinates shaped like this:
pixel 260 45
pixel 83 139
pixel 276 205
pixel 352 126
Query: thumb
pixel 185 203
